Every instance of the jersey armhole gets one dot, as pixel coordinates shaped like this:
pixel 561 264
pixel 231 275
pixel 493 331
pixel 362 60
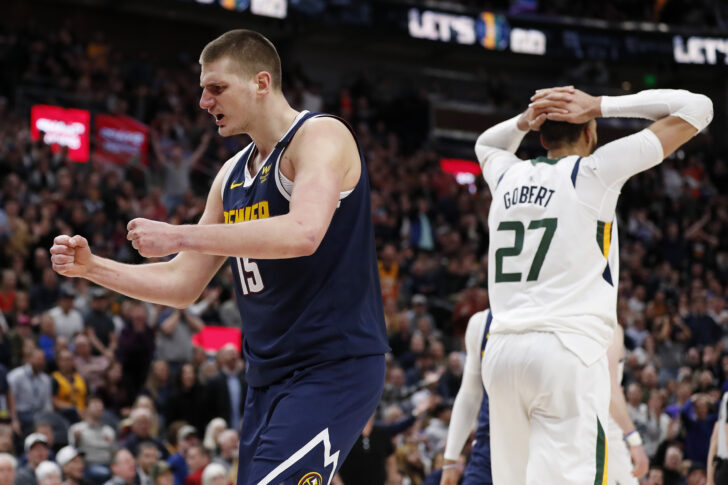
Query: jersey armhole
pixel 230 169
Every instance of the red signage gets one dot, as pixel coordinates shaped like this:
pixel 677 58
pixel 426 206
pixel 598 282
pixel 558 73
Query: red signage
pixel 62 127
pixel 120 139
pixel 457 165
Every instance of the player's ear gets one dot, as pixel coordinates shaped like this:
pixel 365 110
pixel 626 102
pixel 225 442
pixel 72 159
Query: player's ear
pixel 543 142
pixel 263 82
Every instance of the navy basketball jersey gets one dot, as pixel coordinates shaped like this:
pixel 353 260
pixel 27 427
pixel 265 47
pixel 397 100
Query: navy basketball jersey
pixel 300 312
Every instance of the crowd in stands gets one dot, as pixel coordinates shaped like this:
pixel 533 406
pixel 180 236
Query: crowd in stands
pixel 96 388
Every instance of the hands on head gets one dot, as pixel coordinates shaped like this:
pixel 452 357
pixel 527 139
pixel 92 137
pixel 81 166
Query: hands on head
pixel 563 103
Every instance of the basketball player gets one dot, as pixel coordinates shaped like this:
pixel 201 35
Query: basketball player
pixel 471 402
pixel 292 213
pixel 552 293
pixel 628 461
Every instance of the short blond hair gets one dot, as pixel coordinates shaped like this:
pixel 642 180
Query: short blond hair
pixel 250 51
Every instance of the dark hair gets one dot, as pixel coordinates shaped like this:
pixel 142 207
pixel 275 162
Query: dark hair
pixel 250 51
pixel 144 445
pixel 557 133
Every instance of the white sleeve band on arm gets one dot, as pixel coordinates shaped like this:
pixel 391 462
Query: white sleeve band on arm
pixel 505 136
pixel 654 104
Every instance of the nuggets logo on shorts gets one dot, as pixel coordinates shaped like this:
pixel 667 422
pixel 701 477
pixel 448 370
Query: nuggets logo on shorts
pixel 311 478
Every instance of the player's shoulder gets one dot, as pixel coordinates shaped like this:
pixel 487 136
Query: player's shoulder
pixel 328 128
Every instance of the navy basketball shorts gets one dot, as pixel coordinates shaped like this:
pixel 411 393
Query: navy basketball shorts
pixel 300 430
pixel 477 471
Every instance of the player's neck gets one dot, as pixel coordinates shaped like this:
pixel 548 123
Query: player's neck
pixel 567 150
pixel 275 121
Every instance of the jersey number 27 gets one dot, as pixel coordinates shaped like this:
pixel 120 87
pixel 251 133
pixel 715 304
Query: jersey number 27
pixel 549 226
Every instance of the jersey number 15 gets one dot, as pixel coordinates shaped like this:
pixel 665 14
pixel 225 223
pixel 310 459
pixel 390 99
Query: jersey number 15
pixel 250 279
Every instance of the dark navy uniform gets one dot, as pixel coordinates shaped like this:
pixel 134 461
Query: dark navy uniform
pixel 477 472
pixel 314 333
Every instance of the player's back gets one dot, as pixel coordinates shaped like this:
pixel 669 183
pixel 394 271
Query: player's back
pixel 548 269
pixel 300 312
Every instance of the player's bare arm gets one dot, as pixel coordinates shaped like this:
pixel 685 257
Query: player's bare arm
pixel 176 283
pixel 618 406
pixel 324 160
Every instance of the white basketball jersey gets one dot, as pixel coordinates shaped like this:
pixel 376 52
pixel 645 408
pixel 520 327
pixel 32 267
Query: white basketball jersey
pixel 548 267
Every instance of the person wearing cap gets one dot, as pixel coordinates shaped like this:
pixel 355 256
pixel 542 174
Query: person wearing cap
pixel 48 473
pixel 99 327
pixel 161 474
pixel 67 319
pixel 8 464
pixel 36 450
pixel 70 459
pixel 187 437
pixel 31 388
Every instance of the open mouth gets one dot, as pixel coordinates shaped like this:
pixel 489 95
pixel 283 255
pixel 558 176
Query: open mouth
pixel 218 119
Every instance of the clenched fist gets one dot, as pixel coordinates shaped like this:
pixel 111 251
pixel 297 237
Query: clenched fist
pixel 153 239
pixel 71 256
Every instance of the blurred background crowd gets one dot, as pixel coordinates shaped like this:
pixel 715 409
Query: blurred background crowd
pixel 97 387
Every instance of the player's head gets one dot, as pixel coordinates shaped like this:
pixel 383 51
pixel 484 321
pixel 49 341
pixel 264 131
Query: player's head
pixel 239 70
pixel 581 138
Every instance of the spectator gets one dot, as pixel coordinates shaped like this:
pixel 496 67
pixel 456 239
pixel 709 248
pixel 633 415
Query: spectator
pixel 114 395
pixel 8 464
pixel 698 424
pixel 672 468
pixel 227 444
pixel 44 296
pixel 141 425
pixel 6 439
pixel 703 329
pixel 227 390
pixel 8 287
pixel 31 388
pixel 147 456
pixel 47 337
pixel 174 342
pixel 48 473
pixel 158 386
pixel 450 381
pixel 69 388
pixel 187 437
pixel 99 326
pixel 72 464
pixel 36 449
pixel 212 432
pixel 655 477
pixel 214 474
pixel 67 320
pixel 188 401
pixel 91 367
pixel 161 474
pixel 93 438
pixel 136 348
pixel 197 458
pixel 123 469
